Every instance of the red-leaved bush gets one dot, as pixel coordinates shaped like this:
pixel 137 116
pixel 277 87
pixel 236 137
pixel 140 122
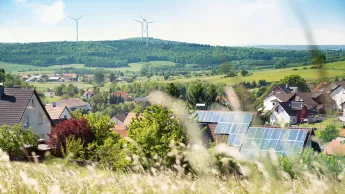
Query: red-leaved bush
pixel 78 128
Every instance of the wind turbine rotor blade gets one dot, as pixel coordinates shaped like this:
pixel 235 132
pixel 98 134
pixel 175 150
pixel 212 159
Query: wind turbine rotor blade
pixel 80 17
pixel 138 21
pixel 71 18
pixel 152 22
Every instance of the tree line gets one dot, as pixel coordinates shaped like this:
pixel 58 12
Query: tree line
pixel 120 53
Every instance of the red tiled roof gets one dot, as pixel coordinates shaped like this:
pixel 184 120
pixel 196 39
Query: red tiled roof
pixel 54 112
pixel 120 93
pixel 71 75
pixel 336 148
pixel 129 118
pixel 120 130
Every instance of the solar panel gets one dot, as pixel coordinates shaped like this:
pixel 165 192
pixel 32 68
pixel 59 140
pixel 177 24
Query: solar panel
pixel 283 141
pixel 201 115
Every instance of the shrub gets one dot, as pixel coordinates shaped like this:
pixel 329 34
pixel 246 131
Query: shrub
pixel 286 165
pixel 154 131
pixel 77 128
pixel 73 148
pixel 329 133
pixel 12 139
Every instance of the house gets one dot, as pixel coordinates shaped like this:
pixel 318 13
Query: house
pixel 337 92
pixel 69 77
pixel 290 113
pixel 321 87
pixel 317 101
pixel 74 103
pixel 34 78
pixel 122 127
pixel 24 106
pixel 273 99
pixel 119 118
pixel 284 89
pixel 58 113
pixel 118 97
pixel 88 95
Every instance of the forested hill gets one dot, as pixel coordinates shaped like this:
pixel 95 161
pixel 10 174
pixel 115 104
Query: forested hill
pixel 302 47
pixel 121 52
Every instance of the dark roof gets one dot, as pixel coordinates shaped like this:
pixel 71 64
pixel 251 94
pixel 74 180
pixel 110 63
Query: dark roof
pixel 291 108
pixel 121 117
pixel 307 97
pixel 284 88
pixel 284 97
pixel 14 103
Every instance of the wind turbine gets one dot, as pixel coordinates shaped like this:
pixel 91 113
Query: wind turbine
pixel 142 27
pixel 77 22
pixel 147 29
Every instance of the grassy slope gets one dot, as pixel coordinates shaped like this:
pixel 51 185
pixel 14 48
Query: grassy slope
pixel 329 70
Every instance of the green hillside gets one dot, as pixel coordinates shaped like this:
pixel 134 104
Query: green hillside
pixel 120 53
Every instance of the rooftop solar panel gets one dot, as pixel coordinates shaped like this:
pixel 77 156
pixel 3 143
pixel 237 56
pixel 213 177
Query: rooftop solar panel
pixel 283 141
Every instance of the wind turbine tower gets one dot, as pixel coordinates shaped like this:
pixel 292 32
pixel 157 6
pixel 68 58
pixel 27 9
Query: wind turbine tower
pixel 77 23
pixel 142 28
pixel 147 29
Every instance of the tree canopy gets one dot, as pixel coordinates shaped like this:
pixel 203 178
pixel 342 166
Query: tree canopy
pixel 298 81
pixel 154 131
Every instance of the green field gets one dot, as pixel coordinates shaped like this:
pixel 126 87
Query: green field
pixel 330 70
pixel 19 68
pixel 44 86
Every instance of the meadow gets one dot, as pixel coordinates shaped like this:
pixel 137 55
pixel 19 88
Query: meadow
pixel 330 70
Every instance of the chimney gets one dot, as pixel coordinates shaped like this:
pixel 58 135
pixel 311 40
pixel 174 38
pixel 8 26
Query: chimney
pixel 54 104
pixel 2 91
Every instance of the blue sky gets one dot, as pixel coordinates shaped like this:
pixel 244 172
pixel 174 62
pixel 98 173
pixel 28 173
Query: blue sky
pixel 215 22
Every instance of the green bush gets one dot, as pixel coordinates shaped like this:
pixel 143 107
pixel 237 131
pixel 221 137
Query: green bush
pixel 13 139
pixel 329 133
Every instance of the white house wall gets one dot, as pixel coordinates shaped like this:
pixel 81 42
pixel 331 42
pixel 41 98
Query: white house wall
pixel 42 129
pixel 280 116
pixel 268 104
pixel 65 114
pixel 338 95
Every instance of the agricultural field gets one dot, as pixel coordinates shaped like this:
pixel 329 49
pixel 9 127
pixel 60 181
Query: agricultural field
pixel 330 70
pixel 20 68
pixel 44 86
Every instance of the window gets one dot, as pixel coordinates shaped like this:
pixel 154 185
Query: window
pixel 65 116
pixel 26 121
pixel 40 118
pixel 32 103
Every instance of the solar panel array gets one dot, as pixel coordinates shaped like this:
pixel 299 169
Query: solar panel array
pixel 250 140
pixel 283 141
pixel 227 122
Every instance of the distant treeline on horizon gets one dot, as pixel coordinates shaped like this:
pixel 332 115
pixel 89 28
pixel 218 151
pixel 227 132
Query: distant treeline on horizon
pixel 119 53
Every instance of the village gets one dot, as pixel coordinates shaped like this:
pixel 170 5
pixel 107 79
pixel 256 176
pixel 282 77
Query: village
pixel 287 110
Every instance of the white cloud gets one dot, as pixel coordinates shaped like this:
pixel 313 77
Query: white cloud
pixel 49 14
